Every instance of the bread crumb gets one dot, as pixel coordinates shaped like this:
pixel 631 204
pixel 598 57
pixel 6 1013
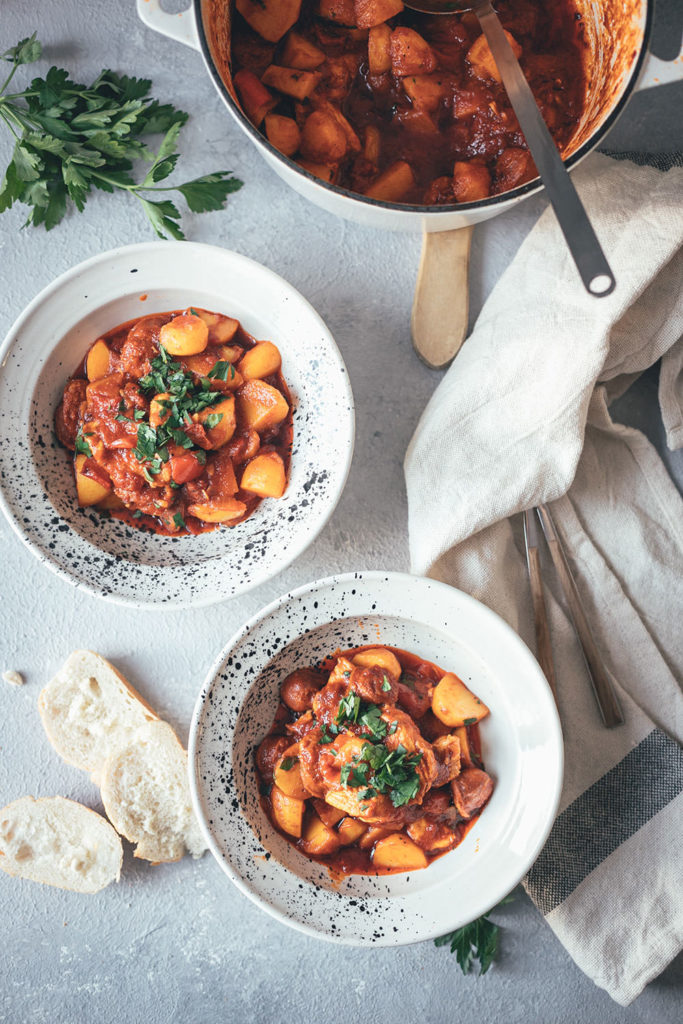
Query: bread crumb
pixel 13 678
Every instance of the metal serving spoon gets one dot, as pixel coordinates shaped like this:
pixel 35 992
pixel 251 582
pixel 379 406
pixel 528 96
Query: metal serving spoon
pixel 573 220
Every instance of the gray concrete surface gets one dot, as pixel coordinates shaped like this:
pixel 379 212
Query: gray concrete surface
pixel 178 942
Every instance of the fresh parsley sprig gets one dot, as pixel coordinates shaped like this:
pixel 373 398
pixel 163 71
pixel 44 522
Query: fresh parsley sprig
pixel 475 941
pixel 71 138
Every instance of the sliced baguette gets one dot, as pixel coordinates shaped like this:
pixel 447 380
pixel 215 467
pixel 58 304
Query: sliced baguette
pixel 59 842
pixel 147 797
pixel 89 709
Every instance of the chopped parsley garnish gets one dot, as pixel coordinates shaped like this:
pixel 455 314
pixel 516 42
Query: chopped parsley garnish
pixel 371 718
pixel 221 370
pixel 137 514
pixel 470 721
pixel 349 708
pixel 287 763
pixel 386 685
pixel 328 733
pixel 179 521
pixel 213 419
pixel 81 446
pixel 385 771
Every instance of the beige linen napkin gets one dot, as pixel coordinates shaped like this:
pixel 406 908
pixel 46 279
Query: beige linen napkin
pixel 522 417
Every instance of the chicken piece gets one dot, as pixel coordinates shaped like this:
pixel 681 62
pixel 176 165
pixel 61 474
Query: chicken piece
pixel 447 753
pixel 302 725
pixel 407 735
pixel 374 684
pixel 141 346
pixel 514 166
pixel 438 805
pixel 326 701
pixel 415 694
pixel 471 789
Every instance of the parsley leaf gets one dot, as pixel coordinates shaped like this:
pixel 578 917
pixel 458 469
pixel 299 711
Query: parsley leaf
pixel 73 138
pixel 475 941
pixel 386 685
pixel 287 763
pixel 179 521
pixel 349 708
pixel 81 446
pixel 221 370
pixel 327 734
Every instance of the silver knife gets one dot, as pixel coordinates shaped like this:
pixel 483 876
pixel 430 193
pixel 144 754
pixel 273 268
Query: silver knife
pixel 597 671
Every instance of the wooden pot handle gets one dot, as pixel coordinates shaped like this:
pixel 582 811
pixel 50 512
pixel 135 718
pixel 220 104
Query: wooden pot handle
pixel 441 303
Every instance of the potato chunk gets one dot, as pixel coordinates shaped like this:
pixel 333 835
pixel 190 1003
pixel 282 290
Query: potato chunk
pixel 270 18
pixel 425 91
pixel 454 704
pixel 222 329
pixel 318 840
pixel 374 12
pixel 393 184
pixel 261 406
pixel 398 853
pixel 222 510
pixel 350 830
pixel 184 335
pixel 97 361
pixel 220 432
pixel 287 774
pixel 379 49
pixel 265 475
pixel 283 133
pixel 323 138
pixel 410 53
pixel 330 815
pixel 481 60
pixel 288 812
pixel 299 84
pixel 256 100
pixel 260 361
pixel 471 182
pixel 90 490
pixel 341 11
pixel 326 172
pixel 379 656
pixel 158 411
pixel 301 53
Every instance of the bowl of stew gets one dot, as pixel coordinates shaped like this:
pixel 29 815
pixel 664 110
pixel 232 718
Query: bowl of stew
pixel 398 119
pixel 375 758
pixel 178 424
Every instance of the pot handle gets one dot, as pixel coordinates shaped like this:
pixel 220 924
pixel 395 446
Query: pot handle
pixel 182 26
pixel 660 72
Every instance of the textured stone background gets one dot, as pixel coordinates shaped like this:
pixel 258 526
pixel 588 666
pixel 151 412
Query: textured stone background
pixel 179 943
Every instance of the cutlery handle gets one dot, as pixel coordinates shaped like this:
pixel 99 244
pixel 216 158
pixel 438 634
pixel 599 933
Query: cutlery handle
pixel 599 676
pixel 544 650
pixel 441 303
pixel 584 246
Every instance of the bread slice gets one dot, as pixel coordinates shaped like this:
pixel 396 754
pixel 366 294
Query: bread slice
pixel 147 797
pixel 89 709
pixel 59 842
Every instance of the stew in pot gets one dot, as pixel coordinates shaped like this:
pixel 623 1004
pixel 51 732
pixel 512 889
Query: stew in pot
pixel 401 106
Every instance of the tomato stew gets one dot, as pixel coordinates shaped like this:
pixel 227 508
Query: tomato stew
pixel 373 762
pixel 401 106
pixel 178 422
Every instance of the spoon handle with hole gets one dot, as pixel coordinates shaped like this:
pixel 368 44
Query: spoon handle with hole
pixel 577 229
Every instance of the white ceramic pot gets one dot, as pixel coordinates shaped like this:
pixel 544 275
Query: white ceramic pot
pixel 620 64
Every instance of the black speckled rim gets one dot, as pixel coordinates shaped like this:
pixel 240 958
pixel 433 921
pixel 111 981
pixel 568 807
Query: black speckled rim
pixel 528 189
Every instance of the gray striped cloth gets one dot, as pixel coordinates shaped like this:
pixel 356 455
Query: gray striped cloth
pixel 522 417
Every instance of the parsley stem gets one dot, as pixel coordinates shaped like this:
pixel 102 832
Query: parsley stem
pixel 9 124
pixel 9 77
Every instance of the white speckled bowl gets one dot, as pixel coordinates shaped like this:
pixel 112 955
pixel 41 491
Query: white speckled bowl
pixel 521 745
pixel 106 556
